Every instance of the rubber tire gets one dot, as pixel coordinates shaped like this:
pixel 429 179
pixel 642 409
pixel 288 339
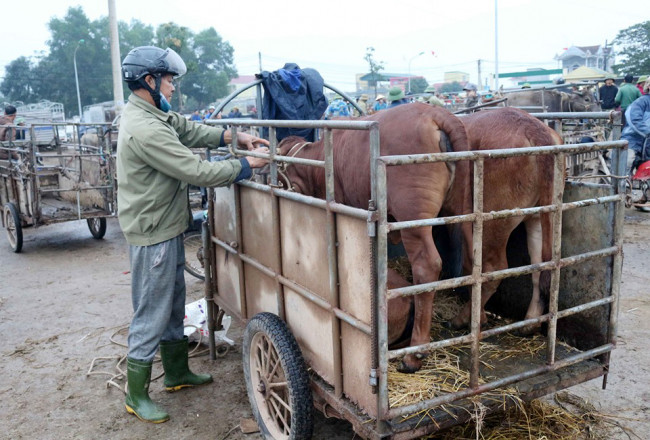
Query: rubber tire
pixel 16 238
pixel 97 231
pixel 267 327
pixel 193 243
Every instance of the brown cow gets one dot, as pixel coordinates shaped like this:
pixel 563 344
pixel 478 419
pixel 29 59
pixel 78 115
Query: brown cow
pixel 414 191
pixel 518 182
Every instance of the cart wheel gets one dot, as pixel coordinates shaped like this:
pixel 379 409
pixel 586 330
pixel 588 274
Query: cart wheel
pixel 194 264
pixel 276 379
pixel 97 227
pixel 14 227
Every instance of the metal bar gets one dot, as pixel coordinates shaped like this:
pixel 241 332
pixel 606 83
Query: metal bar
pixel 572 115
pixel 453 283
pixel 333 124
pixel 208 290
pixel 332 263
pixel 586 306
pixel 431 346
pixel 477 268
pixel 276 237
pixel 73 189
pixel 619 162
pixel 468 392
pixel 381 324
pixel 493 215
pixel 558 192
pixel 499 153
pixel 338 208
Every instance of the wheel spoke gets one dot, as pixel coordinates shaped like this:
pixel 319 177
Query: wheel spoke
pixel 279 413
pixel 277 384
pixel 280 399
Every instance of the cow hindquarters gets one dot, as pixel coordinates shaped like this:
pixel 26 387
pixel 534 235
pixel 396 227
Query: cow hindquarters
pixel 426 266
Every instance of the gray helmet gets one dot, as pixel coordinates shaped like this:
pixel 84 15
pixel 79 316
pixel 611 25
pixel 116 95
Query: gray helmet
pixel 151 60
pixel 470 86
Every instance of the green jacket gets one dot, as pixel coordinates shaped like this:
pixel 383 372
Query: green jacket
pixel 626 95
pixel 154 167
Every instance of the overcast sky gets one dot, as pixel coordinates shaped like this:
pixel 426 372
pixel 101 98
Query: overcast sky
pixel 332 36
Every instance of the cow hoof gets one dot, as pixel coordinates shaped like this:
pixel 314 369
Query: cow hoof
pixel 411 363
pixel 454 325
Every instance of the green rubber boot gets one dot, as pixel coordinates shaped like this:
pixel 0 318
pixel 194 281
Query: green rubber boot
pixel 138 376
pixel 177 371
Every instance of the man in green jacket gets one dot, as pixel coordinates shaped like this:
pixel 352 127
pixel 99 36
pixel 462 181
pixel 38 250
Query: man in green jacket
pixel 626 95
pixel 154 167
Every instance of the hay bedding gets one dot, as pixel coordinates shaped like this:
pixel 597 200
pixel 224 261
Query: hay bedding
pixel 444 371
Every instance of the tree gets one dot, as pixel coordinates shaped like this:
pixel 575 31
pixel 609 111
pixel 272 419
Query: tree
pixel 375 67
pixel 418 85
pixel 18 83
pixel 633 44
pixel 451 87
pixel 210 70
pixel 208 57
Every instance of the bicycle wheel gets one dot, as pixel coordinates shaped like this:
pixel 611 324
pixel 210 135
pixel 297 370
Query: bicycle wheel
pixel 194 264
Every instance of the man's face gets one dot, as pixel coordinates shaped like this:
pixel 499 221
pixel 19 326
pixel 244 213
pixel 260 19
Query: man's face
pixel 609 82
pixel 167 87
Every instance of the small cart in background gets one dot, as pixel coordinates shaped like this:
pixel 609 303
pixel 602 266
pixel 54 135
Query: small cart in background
pixel 71 177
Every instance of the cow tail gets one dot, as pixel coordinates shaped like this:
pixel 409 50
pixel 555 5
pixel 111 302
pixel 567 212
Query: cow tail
pixel 459 198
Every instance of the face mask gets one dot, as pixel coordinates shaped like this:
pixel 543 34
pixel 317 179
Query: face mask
pixel 164 104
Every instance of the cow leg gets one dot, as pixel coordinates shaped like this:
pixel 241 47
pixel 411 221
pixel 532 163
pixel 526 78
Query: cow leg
pixel 534 241
pixel 493 261
pixel 426 266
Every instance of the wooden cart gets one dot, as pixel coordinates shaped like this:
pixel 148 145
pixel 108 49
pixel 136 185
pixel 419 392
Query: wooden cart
pixel 309 278
pixel 61 180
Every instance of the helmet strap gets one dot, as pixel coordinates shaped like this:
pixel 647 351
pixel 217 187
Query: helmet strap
pixel 155 93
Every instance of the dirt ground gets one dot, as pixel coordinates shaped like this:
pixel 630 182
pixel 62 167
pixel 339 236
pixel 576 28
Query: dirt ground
pixel 66 295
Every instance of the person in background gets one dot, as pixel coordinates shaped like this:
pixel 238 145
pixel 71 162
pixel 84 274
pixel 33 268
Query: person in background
pixel 8 133
pixel 362 102
pixel 208 114
pixel 337 108
pixel 626 95
pixel 637 130
pixel 607 93
pixel 21 130
pixel 396 97
pixel 436 101
pixel 154 168
pixel 196 116
pixel 380 103
pixel 640 84
pixel 471 99
pixel 234 113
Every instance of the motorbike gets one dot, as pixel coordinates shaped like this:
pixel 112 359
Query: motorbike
pixel 637 186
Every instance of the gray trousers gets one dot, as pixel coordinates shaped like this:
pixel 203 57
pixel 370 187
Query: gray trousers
pixel 158 296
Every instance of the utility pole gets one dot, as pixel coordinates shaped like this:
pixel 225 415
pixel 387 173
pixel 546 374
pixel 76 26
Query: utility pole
pixel 479 74
pixel 118 91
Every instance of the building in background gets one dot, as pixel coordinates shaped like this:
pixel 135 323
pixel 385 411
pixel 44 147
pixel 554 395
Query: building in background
pixel 599 57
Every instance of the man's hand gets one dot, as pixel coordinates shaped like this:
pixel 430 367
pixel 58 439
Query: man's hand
pixel 245 140
pixel 257 162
